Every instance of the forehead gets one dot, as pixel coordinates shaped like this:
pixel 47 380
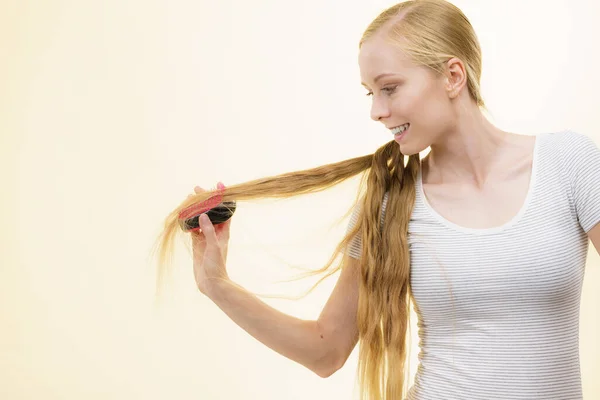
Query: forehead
pixel 376 56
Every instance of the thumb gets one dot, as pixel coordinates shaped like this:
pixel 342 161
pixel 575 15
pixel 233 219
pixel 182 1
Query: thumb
pixel 208 229
pixel 214 249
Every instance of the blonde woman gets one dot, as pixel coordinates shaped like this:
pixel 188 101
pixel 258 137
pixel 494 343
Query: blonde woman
pixel 487 235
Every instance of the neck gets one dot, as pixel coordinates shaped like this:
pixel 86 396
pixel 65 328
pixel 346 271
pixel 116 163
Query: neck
pixel 469 152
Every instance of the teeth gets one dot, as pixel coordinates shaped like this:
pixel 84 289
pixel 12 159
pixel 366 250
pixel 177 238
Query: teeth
pixel 400 129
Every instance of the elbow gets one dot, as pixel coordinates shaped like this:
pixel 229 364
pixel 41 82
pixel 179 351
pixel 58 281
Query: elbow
pixel 328 366
pixel 324 373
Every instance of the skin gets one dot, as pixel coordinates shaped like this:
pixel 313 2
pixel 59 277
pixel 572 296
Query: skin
pixel 465 147
pixel 471 162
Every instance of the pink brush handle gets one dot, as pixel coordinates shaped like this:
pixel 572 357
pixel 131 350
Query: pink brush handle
pixel 204 206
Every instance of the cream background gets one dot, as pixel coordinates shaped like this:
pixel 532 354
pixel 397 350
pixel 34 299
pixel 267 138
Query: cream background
pixel 111 112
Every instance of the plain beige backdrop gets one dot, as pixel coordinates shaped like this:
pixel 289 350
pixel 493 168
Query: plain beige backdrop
pixel 112 111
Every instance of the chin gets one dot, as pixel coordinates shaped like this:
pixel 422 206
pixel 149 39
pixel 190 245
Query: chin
pixel 408 150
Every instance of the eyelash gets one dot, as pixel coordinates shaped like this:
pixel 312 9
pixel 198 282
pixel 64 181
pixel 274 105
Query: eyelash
pixel 390 90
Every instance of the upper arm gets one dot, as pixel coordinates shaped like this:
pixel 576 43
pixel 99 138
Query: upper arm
pixel 594 235
pixel 337 321
pixel 581 165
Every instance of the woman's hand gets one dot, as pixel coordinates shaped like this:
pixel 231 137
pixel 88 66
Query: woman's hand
pixel 209 246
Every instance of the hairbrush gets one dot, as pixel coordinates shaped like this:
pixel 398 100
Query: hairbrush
pixel 217 210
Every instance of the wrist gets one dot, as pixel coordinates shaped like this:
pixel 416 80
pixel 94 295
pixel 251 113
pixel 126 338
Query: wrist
pixel 215 288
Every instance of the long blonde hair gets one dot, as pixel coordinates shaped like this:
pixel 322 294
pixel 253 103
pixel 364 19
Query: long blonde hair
pixel 430 32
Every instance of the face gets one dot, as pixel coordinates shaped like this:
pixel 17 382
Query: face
pixel 403 92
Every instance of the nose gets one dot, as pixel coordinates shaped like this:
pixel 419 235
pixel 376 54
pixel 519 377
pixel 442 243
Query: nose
pixel 379 109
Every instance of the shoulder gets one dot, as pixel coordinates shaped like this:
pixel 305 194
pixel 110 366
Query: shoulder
pixel 571 150
pixel 570 141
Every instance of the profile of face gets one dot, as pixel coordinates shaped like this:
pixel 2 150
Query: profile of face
pixel 406 93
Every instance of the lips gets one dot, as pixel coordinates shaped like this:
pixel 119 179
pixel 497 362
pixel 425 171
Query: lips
pixel 400 136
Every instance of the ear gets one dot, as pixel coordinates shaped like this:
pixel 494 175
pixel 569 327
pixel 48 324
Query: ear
pixel 456 77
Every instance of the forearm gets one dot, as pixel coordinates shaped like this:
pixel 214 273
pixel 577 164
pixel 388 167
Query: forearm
pixel 294 338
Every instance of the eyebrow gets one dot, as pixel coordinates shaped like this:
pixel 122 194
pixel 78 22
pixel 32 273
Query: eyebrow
pixel 378 77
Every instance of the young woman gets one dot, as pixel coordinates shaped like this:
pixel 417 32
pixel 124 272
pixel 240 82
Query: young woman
pixel 487 235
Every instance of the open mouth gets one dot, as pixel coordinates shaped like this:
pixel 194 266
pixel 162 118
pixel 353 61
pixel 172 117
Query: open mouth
pixel 400 131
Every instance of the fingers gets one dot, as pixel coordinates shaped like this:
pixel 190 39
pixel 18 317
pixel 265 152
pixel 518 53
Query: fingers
pixel 196 235
pixel 224 229
pixel 197 190
pixel 221 229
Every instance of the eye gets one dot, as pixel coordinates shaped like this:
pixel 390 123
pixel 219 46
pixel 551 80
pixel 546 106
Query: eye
pixel 389 89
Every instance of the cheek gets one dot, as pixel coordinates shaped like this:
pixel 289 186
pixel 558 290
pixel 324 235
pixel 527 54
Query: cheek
pixel 433 108
pixel 418 105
